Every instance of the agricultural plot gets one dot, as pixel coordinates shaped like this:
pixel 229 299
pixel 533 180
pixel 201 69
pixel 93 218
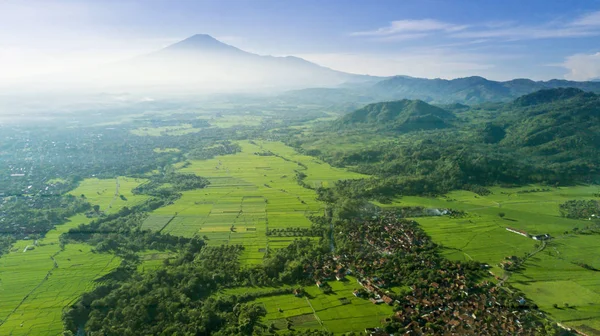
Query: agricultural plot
pixel 182 129
pixel 227 121
pixel 338 312
pixel 38 279
pixel 107 192
pixel 248 195
pixel 553 276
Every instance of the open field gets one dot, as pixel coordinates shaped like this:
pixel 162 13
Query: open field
pixel 549 277
pixel 338 312
pixel 227 121
pixel 248 194
pixel 165 130
pixel 37 284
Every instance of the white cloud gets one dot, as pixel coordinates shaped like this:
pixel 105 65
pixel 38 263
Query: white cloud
pixel 585 25
pixel 589 19
pixel 409 27
pixel 583 66
pixel 528 33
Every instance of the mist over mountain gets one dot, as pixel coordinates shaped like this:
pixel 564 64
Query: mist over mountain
pixel 202 64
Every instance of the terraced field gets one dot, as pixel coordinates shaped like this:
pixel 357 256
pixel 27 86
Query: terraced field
pixel 551 276
pixel 38 279
pixel 248 194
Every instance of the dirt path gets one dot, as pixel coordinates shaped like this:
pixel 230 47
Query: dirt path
pixel 116 192
pixel 508 274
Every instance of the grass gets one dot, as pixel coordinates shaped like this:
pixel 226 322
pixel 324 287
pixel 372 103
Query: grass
pixel 36 285
pixel 549 277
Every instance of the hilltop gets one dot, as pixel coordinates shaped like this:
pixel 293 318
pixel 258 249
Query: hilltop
pixel 402 115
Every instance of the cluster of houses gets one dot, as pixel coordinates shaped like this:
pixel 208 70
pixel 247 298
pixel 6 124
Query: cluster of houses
pixel 482 309
pixel 447 300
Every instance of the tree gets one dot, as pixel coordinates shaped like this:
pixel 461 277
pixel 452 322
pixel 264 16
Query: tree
pixel 501 214
pixel 96 208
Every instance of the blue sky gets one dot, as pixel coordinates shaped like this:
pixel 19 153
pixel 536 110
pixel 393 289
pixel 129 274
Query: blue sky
pixel 425 38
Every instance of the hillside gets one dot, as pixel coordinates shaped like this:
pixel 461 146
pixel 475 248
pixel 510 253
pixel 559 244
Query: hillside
pixel 550 136
pixel 402 115
pixel 558 125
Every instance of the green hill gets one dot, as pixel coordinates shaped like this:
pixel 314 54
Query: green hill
pixel 403 115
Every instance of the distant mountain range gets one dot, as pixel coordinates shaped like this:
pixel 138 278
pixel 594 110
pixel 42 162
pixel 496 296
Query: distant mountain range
pixel 468 90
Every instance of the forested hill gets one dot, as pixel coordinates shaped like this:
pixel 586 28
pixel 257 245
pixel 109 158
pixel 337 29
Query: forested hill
pixel 561 125
pixel 403 115
pixel 550 136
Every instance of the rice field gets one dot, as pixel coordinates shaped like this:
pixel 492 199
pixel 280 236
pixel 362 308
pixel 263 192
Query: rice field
pixel 551 276
pixel 248 195
pixel 338 312
pixel 165 130
pixel 38 282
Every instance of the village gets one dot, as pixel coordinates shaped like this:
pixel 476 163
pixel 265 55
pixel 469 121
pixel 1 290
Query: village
pixel 387 251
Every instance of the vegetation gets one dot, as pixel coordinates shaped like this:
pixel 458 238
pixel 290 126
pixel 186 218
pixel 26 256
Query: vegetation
pixel 208 223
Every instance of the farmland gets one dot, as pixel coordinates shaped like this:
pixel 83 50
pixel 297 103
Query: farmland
pixel 338 312
pixel 549 277
pixel 38 279
pixel 165 130
pixel 248 194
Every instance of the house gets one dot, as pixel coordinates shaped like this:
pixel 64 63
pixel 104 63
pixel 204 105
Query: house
pixel 340 276
pixel 319 284
pixel 544 236
pixel 387 299
pixel 298 292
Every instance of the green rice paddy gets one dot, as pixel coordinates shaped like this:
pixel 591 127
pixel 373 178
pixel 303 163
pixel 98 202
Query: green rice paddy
pixel 38 279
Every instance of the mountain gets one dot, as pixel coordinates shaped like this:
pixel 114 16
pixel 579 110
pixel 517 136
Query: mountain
pixel 202 63
pixel 468 90
pixel 404 115
pixel 198 65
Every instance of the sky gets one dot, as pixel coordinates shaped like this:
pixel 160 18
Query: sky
pixel 498 40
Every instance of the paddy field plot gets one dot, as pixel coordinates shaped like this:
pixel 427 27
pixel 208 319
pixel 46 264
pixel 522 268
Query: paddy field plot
pixel 552 276
pixel 165 130
pixel 37 283
pixel 338 312
pixel 248 195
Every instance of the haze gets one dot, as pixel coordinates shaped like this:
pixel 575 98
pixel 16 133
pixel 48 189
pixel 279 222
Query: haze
pixel 87 42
